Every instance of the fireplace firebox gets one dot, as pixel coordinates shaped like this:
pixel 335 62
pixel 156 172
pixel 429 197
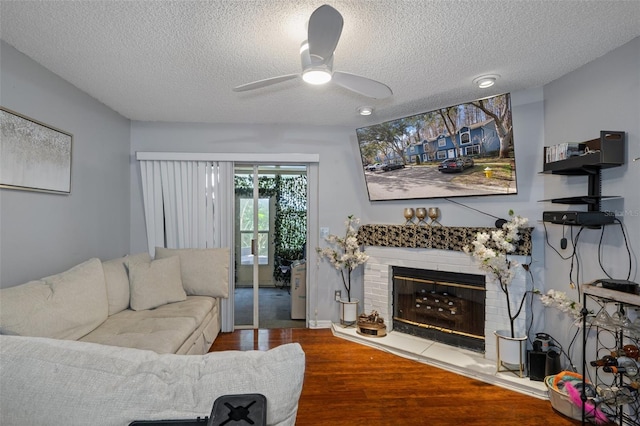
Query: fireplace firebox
pixel 442 306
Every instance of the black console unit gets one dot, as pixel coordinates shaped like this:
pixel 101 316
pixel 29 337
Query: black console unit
pixel 578 218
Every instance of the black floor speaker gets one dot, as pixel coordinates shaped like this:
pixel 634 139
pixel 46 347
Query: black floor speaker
pixel 537 365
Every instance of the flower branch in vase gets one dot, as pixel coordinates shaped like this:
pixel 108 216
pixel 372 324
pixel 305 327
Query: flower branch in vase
pixel 560 300
pixel 492 250
pixel 345 254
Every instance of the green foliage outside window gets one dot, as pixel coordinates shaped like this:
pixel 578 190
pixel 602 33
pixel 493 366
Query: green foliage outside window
pixel 290 228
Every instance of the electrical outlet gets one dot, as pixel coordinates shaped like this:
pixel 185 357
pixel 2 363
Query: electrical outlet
pixel 324 232
pixel 338 295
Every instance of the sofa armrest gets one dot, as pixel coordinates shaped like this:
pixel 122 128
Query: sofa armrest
pixel 70 382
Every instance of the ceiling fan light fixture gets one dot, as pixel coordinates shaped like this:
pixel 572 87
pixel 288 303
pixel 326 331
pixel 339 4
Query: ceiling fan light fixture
pixel 314 71
pixel 316 76
pixel 365 110
pixel 316 57
pixel 486 81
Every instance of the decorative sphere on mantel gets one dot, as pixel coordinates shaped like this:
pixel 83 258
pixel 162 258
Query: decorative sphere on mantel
pixel 408 215
pixel 434 213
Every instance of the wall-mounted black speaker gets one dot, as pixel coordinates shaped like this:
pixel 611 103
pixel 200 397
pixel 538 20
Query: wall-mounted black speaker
pixel 537 364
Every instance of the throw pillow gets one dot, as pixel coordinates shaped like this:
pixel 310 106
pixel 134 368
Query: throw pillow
pixel 117 280
pixel 205 272
pixel 155 283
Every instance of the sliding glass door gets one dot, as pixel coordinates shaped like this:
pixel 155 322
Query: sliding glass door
pixel 270 233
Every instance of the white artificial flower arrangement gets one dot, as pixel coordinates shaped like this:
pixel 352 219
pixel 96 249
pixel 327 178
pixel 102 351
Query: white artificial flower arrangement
pixel 346 253
pixel 560 300
pixel 492 250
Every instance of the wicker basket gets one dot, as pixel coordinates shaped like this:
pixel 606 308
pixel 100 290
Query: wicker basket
pixel 560 401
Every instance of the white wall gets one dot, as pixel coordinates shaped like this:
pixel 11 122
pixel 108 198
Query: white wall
pixel 342 189
pixel 43 234
pixel 602 95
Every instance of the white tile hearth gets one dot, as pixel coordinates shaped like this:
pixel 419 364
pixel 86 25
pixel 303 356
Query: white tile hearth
pixel 457 360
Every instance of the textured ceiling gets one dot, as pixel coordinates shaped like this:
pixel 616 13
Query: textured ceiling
pixel 178 61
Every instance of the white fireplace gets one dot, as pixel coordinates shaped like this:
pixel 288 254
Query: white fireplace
pixel 378 285
pixel 440 249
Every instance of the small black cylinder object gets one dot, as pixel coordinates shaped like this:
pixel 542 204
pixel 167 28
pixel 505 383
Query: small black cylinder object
pixel 552 365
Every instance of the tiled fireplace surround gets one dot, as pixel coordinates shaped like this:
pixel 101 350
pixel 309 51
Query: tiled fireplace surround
pixel 439 249
pixel 378 284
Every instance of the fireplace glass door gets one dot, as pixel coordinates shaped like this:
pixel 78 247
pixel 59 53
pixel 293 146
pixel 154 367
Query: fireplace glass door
pixel 441 306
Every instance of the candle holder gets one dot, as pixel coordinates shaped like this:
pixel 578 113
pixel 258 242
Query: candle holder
pixel 408 215
pixel 434 214
pixel 421 215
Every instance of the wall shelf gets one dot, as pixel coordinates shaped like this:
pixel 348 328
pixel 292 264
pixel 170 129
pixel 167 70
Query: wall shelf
pixel 582 199
pixel 605 152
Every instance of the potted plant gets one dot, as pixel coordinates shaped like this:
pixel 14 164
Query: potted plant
pixel 345 254
pixel 492 250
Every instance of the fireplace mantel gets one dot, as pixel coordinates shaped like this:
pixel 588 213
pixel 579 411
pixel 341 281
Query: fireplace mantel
pixel 434 237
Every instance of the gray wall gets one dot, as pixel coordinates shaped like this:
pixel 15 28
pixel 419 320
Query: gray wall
pixel 43 234
pixel 602 95
pixel 342 189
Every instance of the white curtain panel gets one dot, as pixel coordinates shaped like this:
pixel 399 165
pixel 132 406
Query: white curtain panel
pixel 187 203
pixel 223 189
pixel 223 193
pixel 152 200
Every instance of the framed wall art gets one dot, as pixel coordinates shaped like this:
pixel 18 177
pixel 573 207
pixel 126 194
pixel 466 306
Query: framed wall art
pixel 33 156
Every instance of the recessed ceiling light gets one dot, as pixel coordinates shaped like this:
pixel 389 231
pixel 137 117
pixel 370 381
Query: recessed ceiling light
pixel 485 81
pixel 365 110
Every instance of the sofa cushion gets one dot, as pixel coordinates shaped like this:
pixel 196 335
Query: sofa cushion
pixel 154 283
pixel 205 272
pixel 161 335
pixel 63 306
pixel 51 382
pixel 162 330
pixel 117 281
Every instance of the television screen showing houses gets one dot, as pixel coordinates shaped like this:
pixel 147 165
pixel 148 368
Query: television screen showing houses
pixel 458 151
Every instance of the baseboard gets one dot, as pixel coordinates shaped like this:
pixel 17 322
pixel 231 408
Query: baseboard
pixel 320 324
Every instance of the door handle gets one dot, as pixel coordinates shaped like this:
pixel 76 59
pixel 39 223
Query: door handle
pixel 253 247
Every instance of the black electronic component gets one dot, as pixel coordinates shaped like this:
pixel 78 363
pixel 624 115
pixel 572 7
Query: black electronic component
pixel 563 243
pixel 579 218
pixel 624 286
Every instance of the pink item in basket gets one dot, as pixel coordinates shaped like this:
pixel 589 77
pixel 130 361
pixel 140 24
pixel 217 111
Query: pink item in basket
pixel 589 407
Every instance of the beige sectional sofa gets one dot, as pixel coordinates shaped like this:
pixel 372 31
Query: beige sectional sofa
pixel 170 304
pixel 108 343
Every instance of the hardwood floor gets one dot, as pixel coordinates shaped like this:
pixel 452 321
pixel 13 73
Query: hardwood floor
pixel 351 384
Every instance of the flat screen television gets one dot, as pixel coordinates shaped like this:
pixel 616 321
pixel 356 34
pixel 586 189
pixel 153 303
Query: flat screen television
pixel 458 151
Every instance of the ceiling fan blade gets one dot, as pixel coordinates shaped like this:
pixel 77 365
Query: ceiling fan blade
pixel 264 83
pixel 325 28
pixel 362 85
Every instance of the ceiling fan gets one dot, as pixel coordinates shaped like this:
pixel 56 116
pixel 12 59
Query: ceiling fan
pixel 325 27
